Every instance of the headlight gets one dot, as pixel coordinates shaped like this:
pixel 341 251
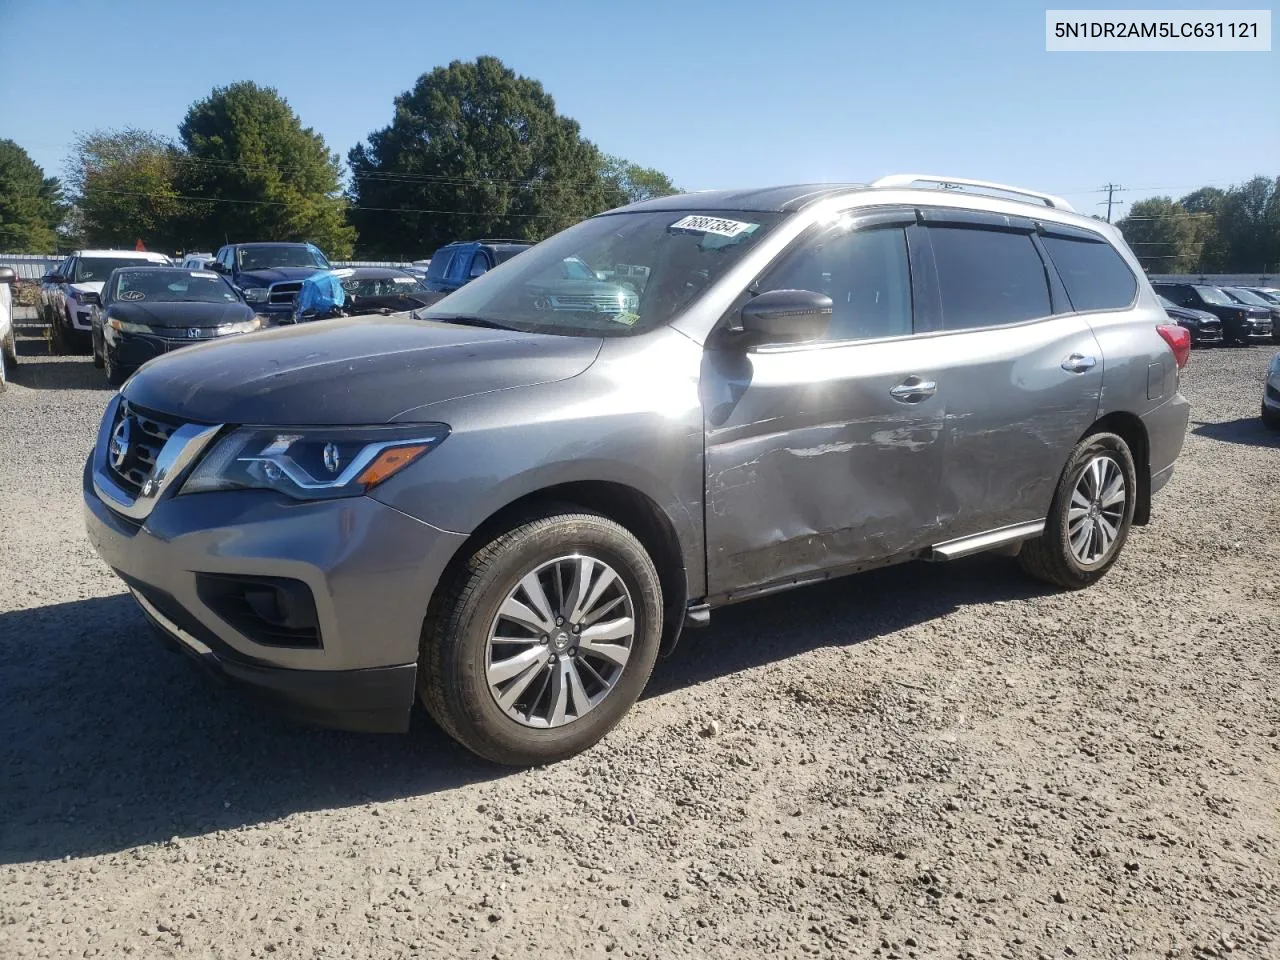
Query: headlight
pixel 255 294
pixel 124 326
pixel 240 326
pixel 312 463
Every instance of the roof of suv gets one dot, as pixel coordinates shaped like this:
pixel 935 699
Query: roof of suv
pixel 784 199
pixel 122 254
pixel 272 243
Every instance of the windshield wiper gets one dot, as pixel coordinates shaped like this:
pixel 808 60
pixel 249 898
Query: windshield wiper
pixel 462 321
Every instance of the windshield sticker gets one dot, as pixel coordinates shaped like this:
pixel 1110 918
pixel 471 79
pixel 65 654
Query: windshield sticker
pixel 403 280
pixel 626 318
pixel 717 225
pixel 133 295
pixel 204 274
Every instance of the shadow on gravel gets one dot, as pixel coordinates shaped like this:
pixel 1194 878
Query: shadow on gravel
pixel 1248 431
pixel 110 741
pixel 39 371
pixel 839 613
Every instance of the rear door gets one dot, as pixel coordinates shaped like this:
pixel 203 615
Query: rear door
pixel 1023 371
pixel 825 454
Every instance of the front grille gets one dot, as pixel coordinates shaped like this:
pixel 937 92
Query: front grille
pixel 147 433
pixel 284 293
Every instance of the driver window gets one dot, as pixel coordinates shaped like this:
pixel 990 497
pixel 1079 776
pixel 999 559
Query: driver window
pixel 865 272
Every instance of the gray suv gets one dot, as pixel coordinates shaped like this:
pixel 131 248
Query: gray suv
pixel 505 506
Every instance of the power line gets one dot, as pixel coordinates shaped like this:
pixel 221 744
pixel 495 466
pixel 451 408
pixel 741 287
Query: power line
pixel 1112 189
pixel 284 203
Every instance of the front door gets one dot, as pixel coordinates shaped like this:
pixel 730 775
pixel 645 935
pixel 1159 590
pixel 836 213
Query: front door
pixel 825 454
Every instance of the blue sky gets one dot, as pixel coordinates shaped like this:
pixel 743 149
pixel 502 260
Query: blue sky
pixel 715 94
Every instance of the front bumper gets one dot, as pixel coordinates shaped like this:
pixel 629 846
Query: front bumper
pixel 1271 395
pixel 370 570
pixel 131 350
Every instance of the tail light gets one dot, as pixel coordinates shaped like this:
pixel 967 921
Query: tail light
pixel 1179 341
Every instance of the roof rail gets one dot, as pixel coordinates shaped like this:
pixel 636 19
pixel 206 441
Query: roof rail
pixel 910 179
pixel 498 240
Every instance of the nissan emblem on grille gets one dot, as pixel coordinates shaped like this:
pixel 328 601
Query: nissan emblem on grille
pixel 193 333
pixel 119 447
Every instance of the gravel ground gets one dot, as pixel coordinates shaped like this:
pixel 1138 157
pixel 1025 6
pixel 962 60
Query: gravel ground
pixel 931 760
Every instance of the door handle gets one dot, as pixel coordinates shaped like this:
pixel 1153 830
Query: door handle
pixel 913 390
pixel 1078 363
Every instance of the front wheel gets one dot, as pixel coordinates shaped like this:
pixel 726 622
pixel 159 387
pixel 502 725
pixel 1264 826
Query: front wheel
pixel 539 643
pixel 115 376
pixel 1270 418
pixel 1090 517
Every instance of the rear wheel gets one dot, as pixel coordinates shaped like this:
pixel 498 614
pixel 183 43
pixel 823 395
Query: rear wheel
pixel 542 639
pixel 1090 517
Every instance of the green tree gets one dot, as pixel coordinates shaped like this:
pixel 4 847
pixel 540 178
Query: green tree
pixel 631 183
pixel 1248 224
pixel 31 204
pixel 124 181
pixel 252 171
pixel 473 150
pixel 1206 208
pixel 1162 235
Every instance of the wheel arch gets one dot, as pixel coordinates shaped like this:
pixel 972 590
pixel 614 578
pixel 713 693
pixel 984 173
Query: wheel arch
pixel 625 505
pixel 1130 428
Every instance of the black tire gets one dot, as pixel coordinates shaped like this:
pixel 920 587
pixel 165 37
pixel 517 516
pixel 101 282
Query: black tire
pixel 1270 420
pixel 4 369
pixel 452 671
pixel 8 357
pixel 115 376
pixel 58 339
pixel 97 357
pixel 1050 557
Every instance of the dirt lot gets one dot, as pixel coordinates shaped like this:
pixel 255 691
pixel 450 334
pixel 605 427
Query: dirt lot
pixel 933 760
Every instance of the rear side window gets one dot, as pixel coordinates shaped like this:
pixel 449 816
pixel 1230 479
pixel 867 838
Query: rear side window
pixel 864 272
pixel 458 268
pixel 988 277
pixel 1095 275
pixel 439 263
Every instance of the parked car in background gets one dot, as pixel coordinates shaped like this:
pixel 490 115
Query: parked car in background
pixel 269 274
pixel 458 263
pixel 1250 298
pixel 69 294
pixel 8 342
pixel 506 508
pixel 1269 294
pixel 197 261
pixel 1205 327
pixel 149 311
pixel 1241 323
pixel 360 291
pixel 1271 395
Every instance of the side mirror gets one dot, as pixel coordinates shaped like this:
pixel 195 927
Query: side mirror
pixel 786 316
pixel 91 299
pixel 7 275
pixel 216 266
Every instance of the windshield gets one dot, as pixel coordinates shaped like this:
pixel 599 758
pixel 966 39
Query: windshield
pixel 282 255
pixel 89 269
pixel 171 286
pixel 383 286
pixel 1245 296
pixel 653 265
pixel 1214 295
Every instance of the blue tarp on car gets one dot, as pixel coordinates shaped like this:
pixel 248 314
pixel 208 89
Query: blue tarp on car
pixel 321 294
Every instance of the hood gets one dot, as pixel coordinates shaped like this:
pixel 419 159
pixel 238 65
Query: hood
pixel 1187 313
pixel 359 370
pixel 264 278
pixel 89 286
pixel 160 314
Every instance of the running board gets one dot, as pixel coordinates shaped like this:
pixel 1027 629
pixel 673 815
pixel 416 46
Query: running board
pixel 1005 536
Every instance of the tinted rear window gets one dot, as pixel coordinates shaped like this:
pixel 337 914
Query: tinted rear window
pixel 988 278
pixel 1095 275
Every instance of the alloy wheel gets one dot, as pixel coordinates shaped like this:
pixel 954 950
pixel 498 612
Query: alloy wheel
pixel 1096 513
pixel 560 641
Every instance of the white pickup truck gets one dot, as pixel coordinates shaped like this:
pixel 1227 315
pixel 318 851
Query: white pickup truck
pixel 69 293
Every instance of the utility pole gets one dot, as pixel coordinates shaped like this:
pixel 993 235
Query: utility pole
pixel 1112 189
